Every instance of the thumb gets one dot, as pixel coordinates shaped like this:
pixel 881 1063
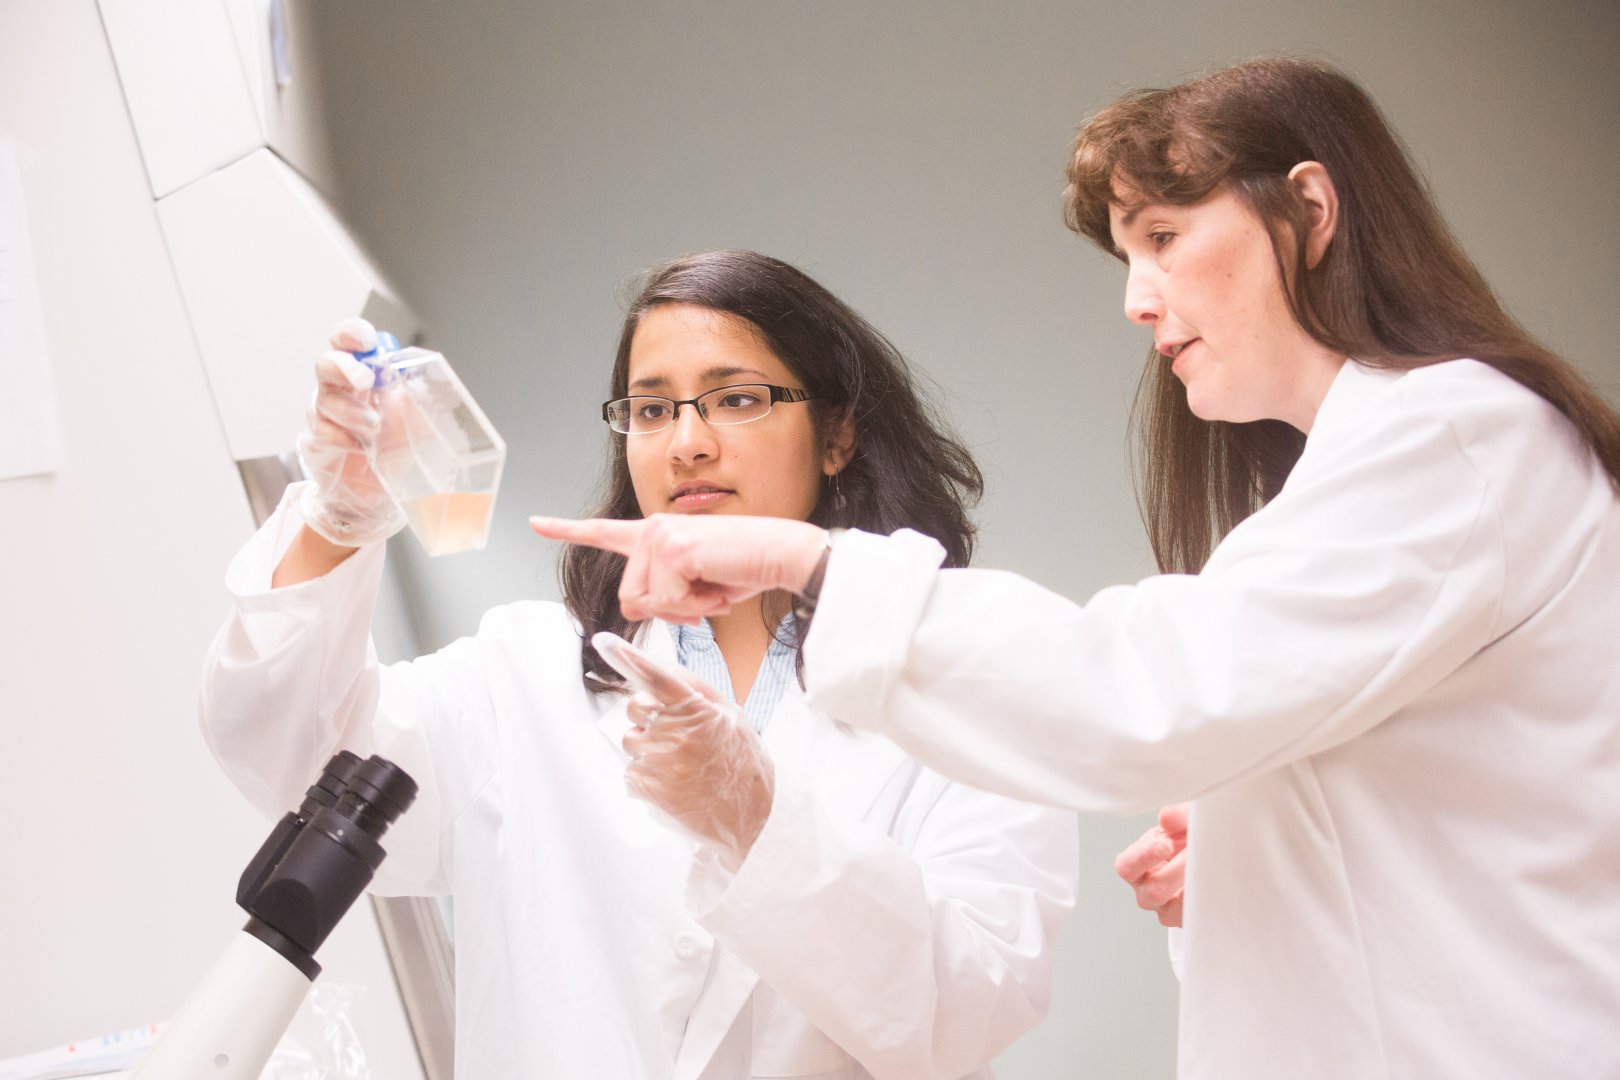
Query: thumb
pixel 354 335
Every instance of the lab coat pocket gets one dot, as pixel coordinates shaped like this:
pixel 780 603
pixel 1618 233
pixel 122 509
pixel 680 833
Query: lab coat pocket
pixel 787 1044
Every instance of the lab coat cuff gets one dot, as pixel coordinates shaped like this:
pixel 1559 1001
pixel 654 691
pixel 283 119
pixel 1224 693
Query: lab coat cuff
pixel 1177 948
pixel 249 575
pixel 870 604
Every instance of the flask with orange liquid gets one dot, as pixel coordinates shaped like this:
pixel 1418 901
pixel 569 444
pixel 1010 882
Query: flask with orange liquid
pixel 437 454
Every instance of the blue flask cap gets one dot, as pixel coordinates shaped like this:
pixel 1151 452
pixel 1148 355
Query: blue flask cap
pixel 386 343
pixel 376 358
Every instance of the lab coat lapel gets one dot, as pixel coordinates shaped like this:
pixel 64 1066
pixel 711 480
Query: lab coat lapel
pixel 718 1007
pixel 729 982
pixel 614 723
pixel 656 640
pixel 850 771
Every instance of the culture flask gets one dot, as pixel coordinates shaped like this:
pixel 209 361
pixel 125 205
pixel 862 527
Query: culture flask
pixel 436 453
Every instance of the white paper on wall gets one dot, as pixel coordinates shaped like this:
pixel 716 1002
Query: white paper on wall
pixel 30 442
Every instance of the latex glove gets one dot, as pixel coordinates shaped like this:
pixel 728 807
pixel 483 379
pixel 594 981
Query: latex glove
pixel 683 568
pixel 346 504
pixel 1155 866
pixel 693 756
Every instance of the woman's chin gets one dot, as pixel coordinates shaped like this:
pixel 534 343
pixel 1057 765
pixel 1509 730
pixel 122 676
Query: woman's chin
pixel 1212 407
pixel 1200 406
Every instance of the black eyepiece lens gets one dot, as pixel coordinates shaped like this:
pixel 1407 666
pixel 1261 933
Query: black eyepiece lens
pixel 334 779
pixel 378 792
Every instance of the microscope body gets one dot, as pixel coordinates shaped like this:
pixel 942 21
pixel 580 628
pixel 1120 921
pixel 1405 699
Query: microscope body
pixel 315 864
pixel 229 1026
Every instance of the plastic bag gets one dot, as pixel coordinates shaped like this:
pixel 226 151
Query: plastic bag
pixel 319 1044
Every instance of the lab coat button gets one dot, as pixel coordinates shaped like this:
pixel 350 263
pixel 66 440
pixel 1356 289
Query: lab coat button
pixel 686 947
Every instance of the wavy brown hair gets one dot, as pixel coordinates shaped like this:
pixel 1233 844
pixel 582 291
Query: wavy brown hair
pixel 1393 290
pixel 908 471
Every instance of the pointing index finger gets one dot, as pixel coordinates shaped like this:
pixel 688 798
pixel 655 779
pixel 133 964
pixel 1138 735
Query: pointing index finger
pixel 609 534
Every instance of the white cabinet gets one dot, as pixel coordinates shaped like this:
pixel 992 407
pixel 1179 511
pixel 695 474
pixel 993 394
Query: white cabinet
pixel 266 269
pixel 209 81
pixel 227 112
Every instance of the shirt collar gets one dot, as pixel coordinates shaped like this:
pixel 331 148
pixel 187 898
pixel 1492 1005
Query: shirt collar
pixel 685 636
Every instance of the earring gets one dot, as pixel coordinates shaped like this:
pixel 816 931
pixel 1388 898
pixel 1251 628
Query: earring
pixel 833 500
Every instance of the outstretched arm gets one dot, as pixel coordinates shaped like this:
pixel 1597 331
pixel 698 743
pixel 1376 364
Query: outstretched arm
pixel 685 568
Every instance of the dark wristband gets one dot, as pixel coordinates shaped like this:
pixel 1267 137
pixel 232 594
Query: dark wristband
pixel 804 602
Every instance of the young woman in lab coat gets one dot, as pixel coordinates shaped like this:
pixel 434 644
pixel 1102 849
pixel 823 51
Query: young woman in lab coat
pixel 857 915
pixel 1384 657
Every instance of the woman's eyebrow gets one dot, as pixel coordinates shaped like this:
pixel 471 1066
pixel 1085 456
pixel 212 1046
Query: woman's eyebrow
pixel 1134 212
pixel 714 374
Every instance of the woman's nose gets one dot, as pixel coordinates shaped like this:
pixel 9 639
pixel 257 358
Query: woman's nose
pixel 1143 303
pixel 690 436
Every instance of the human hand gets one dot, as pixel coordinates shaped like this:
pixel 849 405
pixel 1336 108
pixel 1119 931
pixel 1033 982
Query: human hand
pixel 347 504
pixel 1155 866
pixel 684 568
pixel 692 755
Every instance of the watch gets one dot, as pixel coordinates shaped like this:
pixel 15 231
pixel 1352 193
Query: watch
pixel 804 601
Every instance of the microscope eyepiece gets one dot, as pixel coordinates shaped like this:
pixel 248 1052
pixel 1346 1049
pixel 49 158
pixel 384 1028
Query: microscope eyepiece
pixel 377 793
pixel 329 787
pixel 320 858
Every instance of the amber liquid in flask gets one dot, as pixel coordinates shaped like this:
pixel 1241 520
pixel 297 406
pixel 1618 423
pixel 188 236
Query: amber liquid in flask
pixel 436 453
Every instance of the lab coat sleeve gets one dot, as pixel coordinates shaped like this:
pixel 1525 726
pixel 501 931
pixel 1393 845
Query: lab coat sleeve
pixel 924 961
pixel 1373 575
pixel 292 677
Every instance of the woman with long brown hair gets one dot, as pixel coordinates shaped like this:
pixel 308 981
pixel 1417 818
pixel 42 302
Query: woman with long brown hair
pixel 1383 657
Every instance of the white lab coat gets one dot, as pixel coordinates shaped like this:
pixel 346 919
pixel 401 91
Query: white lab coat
pixel 1394 694
pixel 887 922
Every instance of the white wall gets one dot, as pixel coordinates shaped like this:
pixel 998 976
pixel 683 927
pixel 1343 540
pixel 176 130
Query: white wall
pixel 510 164
pixel 122 841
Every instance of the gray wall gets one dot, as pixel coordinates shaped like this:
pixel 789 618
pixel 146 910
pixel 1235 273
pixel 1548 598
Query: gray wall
pixel 511 165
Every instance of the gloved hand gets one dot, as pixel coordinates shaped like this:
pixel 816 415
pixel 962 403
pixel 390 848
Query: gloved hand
pixel 1155 866
pixel 693 755
pixel 346 504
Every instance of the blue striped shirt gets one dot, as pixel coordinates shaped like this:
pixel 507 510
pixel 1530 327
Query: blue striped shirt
pixel 698 653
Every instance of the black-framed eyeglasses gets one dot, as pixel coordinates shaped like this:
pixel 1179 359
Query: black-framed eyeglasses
pixel 643 414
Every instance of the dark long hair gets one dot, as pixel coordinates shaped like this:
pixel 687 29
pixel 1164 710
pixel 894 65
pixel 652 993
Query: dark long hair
pixel 1393 290
pixel 907 471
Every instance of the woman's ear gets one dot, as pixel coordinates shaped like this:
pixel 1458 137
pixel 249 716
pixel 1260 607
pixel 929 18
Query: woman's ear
pixel 840 446
pixel 1322 202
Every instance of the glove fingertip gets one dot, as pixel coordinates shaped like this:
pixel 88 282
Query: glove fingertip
pixel 359 375
pixel 354 333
